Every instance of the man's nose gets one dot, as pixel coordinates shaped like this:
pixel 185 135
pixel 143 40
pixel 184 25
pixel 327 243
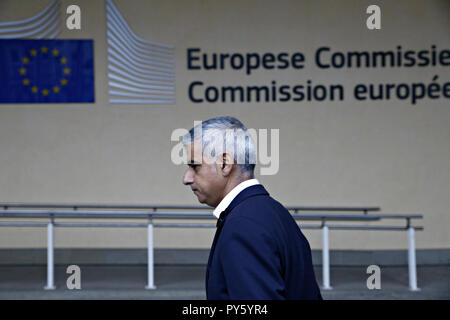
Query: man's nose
pixel 188 177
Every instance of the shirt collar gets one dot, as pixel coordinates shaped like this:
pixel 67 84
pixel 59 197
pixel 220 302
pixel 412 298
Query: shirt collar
pixel 232 194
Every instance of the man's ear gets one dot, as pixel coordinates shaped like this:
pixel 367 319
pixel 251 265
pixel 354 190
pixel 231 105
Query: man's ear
pixel 226 163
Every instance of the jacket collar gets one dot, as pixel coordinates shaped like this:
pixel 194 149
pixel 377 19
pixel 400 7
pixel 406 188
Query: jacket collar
pixel 249 192
pixel 226 201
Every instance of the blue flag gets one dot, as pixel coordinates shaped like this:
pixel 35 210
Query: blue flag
pixel 46 71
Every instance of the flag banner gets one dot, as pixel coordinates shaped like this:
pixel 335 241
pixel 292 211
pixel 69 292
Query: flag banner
pixel 46 71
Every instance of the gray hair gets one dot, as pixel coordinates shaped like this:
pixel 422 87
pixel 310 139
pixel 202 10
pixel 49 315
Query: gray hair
pixel 225 134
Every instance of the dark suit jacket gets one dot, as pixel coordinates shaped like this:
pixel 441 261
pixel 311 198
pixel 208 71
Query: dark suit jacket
pixel 259 252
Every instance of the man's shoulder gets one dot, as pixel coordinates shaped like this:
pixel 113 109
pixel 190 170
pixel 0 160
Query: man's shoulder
pixel 252 219
pixel 259 201
pixel 262 209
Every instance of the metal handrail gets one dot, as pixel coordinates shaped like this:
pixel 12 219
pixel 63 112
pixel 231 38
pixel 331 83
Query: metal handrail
pixel 174 207
pixel 151 213
pixel 162 215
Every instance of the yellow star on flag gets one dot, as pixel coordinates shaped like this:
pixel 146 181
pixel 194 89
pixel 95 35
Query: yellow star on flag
pixel 26 81
pixel 34 89
pixel 66 70
pixel 56 89
pixel 55 52
pixel 63 82
pixel 25 60
pixel 33 52
pixel 45 92
pixel 63 60
pixel 22 71
pixel 44 49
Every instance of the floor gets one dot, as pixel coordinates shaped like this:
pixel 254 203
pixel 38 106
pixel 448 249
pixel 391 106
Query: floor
pixel 187 282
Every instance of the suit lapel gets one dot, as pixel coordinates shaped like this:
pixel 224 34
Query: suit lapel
pixel 219 226
pixel 244 194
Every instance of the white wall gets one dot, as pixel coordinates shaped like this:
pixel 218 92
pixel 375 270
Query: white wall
pixel 386 153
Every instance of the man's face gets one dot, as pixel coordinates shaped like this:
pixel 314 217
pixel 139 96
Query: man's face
pixel 204 177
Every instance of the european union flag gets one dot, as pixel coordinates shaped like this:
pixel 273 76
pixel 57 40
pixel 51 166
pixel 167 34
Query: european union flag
pixel 45 71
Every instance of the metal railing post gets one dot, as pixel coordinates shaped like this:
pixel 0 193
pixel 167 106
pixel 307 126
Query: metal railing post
pixel 412 260
pixel 325 258
pixel 50 251
pixel 150 262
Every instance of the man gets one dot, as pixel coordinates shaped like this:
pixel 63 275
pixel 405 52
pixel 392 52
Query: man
pixel 258 250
